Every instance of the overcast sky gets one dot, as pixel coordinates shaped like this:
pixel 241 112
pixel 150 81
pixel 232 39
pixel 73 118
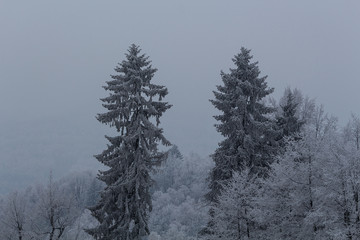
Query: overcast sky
pixel 56 55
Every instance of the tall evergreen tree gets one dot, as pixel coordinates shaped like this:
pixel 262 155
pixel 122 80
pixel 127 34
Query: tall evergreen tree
pixel 249 132
pixel 123 210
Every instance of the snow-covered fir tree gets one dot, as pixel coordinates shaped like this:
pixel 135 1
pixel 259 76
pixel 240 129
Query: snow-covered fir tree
pixel 249 132
pixel 134 108
pixel 288 120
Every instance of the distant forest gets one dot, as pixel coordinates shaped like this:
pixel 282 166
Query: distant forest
pixel 285 169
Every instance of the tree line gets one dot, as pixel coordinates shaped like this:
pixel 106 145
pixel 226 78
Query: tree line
pixel 282 171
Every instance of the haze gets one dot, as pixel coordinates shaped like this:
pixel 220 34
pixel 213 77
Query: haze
pixel 56 55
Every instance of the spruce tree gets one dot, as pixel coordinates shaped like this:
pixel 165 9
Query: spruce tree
pixel 245 124
pixel 133 105
pixel 288 122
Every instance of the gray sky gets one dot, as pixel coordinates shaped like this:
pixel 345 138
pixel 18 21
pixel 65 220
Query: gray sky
pixel 56 55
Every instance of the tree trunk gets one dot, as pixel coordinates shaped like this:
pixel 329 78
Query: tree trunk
pixel 239 226
pixel 247 225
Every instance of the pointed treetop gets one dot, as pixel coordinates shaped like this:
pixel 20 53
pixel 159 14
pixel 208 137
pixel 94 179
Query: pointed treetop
pixel 243 57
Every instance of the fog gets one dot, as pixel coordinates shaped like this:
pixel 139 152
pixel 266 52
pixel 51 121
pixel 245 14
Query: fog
pixel 55 56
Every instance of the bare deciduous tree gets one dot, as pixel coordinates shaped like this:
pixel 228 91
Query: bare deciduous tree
pixel 13 217
pixel 55 212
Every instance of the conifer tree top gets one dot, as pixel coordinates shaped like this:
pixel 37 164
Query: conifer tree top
pixel 131 88
pixel 241 93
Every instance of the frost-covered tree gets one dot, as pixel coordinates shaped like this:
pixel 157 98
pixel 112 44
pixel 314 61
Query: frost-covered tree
pixel 233 212
pixel 249 133
pixel 134 102
pixel 298 100
pixel 54 212
pixel 178 209
pixel 355 130
pixel 14 222
pixel 296 195
pixel 288 121
pixel 342 184
pixel 290 198
pixel 166 174
pixel 246 124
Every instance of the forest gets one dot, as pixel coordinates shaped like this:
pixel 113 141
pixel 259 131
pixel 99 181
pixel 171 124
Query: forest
pixel 285 169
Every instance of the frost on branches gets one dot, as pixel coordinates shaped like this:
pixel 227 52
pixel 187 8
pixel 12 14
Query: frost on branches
pixel 244 122
pixel 250 134
pixel 234 209
pixel 133 102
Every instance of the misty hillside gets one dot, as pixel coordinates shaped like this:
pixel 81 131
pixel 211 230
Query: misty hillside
pixel 30 149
